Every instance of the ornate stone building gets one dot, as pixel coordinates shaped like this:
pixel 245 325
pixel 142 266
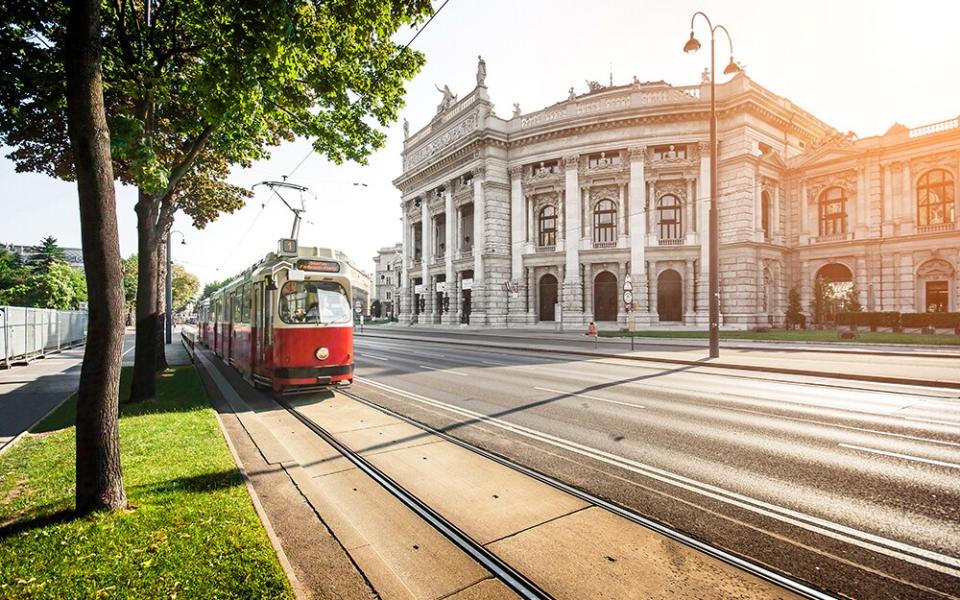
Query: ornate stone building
pixel 386 280
pixel 546 215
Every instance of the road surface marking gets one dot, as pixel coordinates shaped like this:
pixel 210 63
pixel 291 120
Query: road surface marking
pixel 373 356
pixel 903 456
pixel 934 421
pixel 444 370
pixel 127 351
pixel 588 396
pixel 901 550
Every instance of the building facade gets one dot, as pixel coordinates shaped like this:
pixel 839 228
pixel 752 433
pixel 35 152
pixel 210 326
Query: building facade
pixel 552 215
pixel 386 280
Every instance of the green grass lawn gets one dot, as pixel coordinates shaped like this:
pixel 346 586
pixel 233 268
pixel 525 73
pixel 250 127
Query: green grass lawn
pixel 804 335
pixel 191 531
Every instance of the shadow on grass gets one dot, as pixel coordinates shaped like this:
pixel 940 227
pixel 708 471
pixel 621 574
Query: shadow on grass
pixel 178 390
pixel 197 484
pixel 39 521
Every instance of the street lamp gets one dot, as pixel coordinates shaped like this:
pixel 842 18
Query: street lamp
pixel 693 45
pixel 168 326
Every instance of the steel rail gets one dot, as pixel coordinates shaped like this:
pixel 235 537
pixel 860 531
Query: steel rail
pixel 787 583
pixel 510 577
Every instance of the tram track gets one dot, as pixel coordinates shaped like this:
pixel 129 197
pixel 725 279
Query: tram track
pixel 510 577
pixel 515 580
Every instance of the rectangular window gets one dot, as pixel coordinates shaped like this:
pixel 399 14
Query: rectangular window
pixel 440 236
pixel 417 242
pixel 937 296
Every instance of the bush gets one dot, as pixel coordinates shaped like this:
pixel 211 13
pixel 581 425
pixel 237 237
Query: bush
pixel 942 320
pixel 873 320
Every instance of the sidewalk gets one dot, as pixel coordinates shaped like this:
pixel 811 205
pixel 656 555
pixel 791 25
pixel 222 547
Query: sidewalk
pixel 571 548
pixel 936 370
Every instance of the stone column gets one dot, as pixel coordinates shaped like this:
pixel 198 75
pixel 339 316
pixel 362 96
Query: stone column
pixel 887 221
pixel 404 313
pixel 652 230
pixel 585 235
pixel 804 237
pixel 588 292
pixel 531 223
pixel 516 305
pixel 860 225
pixel 703 183
pixel 690 225
pixel 531 296
pixel 776 212
pixel 689 316
pixel 654 316
pixel 622 219
pixel 449 317
pixel 757 208
pixel 638 230
pixel 906 204
pixel 572 286
pixel 427 251
pixel 477 299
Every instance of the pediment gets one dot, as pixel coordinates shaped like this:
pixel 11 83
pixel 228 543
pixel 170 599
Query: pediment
pixel 823 155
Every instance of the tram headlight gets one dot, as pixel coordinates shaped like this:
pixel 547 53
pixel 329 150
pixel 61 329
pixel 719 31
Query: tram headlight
pixel 322 353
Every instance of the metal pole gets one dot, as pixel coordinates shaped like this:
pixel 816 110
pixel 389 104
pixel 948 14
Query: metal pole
pixel 714 249
pixel 169 296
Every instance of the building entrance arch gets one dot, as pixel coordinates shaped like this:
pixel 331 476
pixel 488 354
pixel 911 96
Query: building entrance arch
pixel 838 286
pixel 605 297
pixel 548 297
pixel 670 296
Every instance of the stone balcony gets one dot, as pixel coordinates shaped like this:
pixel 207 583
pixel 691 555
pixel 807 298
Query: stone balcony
pixel 670 242
pixel 937 228
pixel 834 237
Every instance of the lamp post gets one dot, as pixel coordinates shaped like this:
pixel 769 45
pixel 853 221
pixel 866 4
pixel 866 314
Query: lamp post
pixel 693 45
pixel 168 326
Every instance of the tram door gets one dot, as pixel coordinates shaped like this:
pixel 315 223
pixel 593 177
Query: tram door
pixel 233 313
pixel 263 322
pixel 256 327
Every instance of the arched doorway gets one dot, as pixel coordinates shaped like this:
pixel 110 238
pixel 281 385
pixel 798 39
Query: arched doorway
pixel 837 292
pixel 548 298
pixel 605 297
pixel 670 296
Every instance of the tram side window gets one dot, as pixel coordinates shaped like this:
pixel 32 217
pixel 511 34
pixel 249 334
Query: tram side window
pixel 320 302
pixel 246 304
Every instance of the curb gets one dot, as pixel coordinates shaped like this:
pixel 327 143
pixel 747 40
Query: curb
pixel 697 363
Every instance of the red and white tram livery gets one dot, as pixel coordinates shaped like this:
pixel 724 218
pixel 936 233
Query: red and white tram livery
pixel 285 322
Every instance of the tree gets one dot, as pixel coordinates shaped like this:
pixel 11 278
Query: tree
pixel 186 286
pixel 820 300
pixel 852 301
pixel 49 253
pixel 213 286
pixel 204 86
pixel 795 317
pixel 129 268
pixel 99 480
pixel 16 280
pixel 59 287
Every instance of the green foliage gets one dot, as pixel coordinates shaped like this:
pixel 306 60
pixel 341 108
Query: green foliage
pixel 852 301
pixel 209 85
pixel 186 286
pixel 873 320
pixel 821 296
pixel 213 286
pixel 45 282
pixel 794 314
pixel 192 531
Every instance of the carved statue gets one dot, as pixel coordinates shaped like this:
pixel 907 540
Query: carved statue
pixel 516 110
pixel 449 98
pixel 481 72
pixel 406 129
pixel 571 95
pixel 594 86
pixel 705 76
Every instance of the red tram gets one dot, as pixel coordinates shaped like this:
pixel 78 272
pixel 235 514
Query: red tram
pixel 285 323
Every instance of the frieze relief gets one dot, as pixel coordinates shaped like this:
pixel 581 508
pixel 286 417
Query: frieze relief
pixel 847 180
pixel 611 192
pixel 675 187
pixel 545 199
pixel 445 139
pixel 943 160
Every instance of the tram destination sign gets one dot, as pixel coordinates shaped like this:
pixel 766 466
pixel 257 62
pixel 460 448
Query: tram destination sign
pixel 319 266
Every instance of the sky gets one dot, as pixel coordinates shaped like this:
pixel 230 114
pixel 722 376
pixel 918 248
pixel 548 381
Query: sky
pixel 857 65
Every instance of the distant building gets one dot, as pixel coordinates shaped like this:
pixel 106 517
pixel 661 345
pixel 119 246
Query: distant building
pixel 74 256
pixel 361 281
pixel 545 216
pixel 386 279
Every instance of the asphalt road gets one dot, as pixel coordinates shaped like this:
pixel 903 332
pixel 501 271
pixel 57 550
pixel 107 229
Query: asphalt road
pixel 853 487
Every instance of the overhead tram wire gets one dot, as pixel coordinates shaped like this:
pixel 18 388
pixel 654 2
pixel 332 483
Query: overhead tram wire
pixel 405 46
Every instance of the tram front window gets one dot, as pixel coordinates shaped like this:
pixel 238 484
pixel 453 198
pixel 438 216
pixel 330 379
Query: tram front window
pixel 320 302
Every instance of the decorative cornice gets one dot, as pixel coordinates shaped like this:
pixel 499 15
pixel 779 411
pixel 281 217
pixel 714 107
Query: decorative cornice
pixel 571 161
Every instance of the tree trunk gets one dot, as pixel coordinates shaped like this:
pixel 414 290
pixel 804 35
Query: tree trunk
pixel 99 479
pixel 161 336
pixel 143 387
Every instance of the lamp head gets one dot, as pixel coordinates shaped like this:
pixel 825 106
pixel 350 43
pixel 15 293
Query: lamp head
pixel 183 242
pixel 692 44
pixel 732 68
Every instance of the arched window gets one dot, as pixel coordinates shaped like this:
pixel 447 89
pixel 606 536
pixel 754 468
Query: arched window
pixel 935 198
pixel 765 214
pixel 605 222
pixel 548 226
pixel 833 215
pixel 668 217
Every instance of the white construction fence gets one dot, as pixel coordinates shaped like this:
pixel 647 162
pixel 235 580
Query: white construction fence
pixel 26 333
